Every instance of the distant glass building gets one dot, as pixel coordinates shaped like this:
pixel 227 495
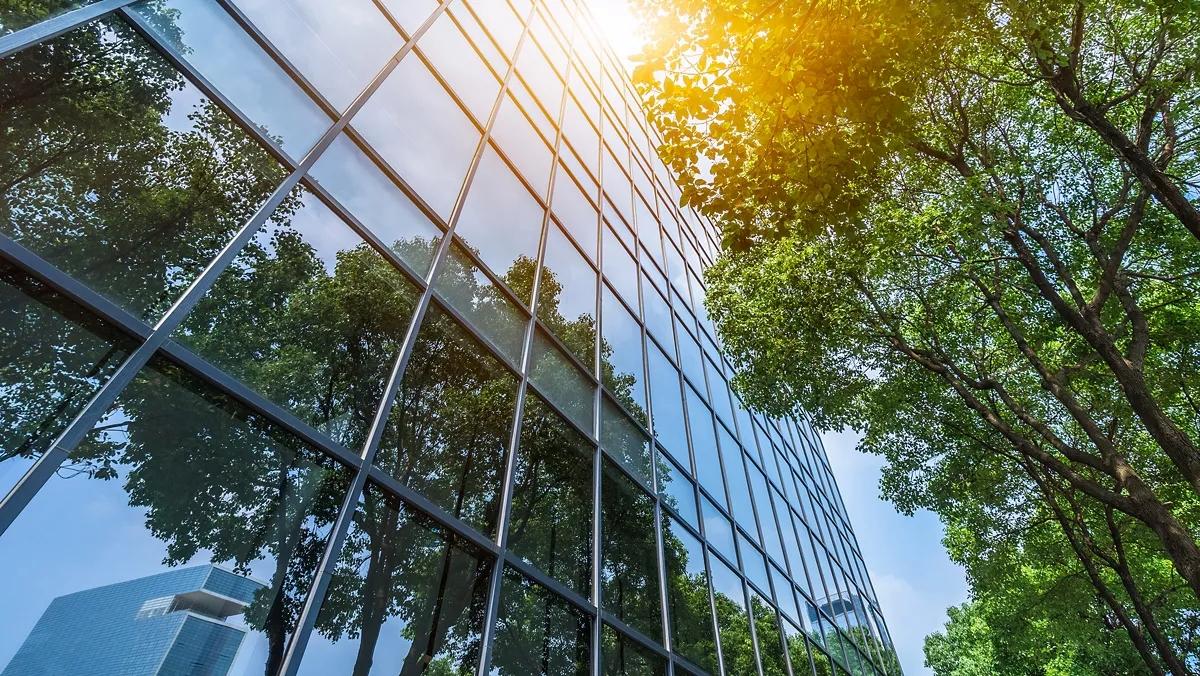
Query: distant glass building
pixel 390 305
pixel 169 623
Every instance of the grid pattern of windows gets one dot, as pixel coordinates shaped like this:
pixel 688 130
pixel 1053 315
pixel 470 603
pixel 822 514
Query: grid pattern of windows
pixel 388 306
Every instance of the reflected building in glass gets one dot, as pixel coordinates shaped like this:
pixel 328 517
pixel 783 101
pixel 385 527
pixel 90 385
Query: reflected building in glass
pixel 168 623
pixel 388 307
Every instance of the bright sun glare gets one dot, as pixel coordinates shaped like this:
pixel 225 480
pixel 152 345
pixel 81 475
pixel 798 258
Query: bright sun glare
pixel 617 21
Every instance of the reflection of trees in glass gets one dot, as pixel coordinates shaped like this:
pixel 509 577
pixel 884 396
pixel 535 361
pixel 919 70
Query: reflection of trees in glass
pixel 770 640
pixel 550 521
pixel 448 430
pixel 629 556
pixel 218 481
pixel 538 633
pixel 687 597
pixel 398 568
pixel 53 357
pixel 737 646
pixel 621 656
pixel 116 170
pixel 17 15
pixel 319 342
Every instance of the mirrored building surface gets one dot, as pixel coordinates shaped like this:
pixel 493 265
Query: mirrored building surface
pixel 368 337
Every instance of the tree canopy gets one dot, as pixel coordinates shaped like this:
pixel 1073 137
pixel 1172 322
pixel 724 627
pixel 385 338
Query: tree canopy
pixel 969 229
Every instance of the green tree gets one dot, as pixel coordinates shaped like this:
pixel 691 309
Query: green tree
pixel 970 230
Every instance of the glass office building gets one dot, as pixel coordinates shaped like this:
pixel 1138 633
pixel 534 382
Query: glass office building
pixel 389 306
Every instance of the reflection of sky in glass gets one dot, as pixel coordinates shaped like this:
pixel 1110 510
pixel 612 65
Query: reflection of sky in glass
pixel 214 44
pixel 339 46
pixel 418 129
pixel 80 533
pixel 500 219
pixel 374 199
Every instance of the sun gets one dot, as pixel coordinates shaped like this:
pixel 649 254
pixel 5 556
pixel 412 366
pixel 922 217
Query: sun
pixel 620 28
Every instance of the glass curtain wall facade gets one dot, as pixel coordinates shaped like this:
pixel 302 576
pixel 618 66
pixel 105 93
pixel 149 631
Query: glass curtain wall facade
pixel 387 308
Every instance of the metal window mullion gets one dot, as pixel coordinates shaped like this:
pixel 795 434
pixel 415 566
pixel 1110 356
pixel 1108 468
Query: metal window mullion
pixel 491 616
pixel 55 26
pixel 107 311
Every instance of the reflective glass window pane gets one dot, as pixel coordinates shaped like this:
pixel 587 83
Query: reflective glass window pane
pixel 17 15
pixel 621 656
pixel 375 201
pixel 449 428
pixel 758 486
pixel 624 441
pixel 538 633
pixel 410 14
pixel 550 522
pixel 720 393
pixel 216 46
pixel 339 46
pixel 690 359
pixel 54 356
pixel 667 405
pixel 737 647
pixel 658 316
pixel 773 541
pixel 502 24
pixel 186 532
pixel 677 491
pixel 754 565
pixel 543 118
pixel 717 529
pixel 460 66
pixel 770 641
pixel 131 189
pixel 575 211
pixel 616 184
pixel 309 315
pixel 523 145
pixel 540 76
pixel 406 597
pixel 421 132
pixel 687 597
pixel 629 555
pixel 621 355
pixel 556 377
pixel 581 135
pixel 475 32
pixel 467 289
pixel 620 269
pixel 567 296
pixel 502 222
pixel 739 489
pixel 704 447
pixel 784 594
pixel 797 648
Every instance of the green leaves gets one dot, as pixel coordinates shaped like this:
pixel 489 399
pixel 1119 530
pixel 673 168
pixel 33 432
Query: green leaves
pixel 934 233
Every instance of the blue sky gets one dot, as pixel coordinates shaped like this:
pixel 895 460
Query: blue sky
pixel 913 577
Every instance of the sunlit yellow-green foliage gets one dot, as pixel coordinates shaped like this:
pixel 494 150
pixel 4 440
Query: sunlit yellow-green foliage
pixel 970 228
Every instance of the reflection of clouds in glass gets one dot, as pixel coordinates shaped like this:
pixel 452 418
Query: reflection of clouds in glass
pixel 421 132
pixel 217 47
pixel 374 200
pixel 339 46
pixel 500 218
